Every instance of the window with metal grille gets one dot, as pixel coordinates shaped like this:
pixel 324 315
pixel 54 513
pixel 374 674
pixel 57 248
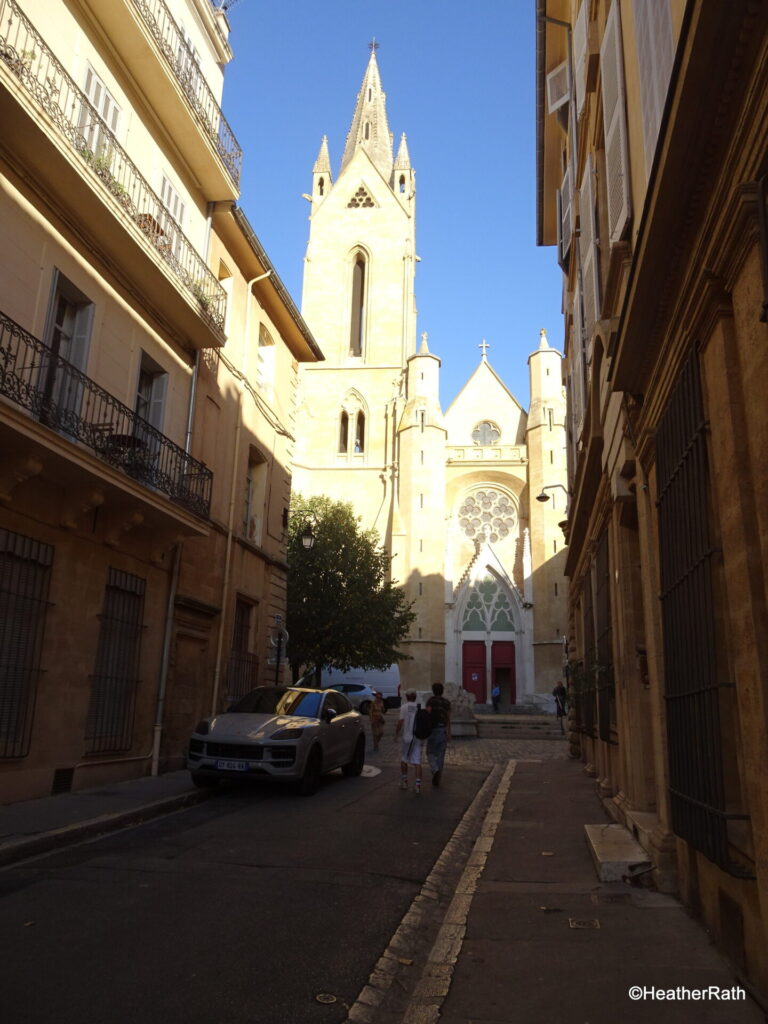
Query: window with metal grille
pixel 694 688
pixel 604 682
pixel 109 725
pixel 243 665
pixel 25 570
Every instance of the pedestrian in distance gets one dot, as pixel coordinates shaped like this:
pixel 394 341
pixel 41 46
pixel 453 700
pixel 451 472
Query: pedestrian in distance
pixel 560 695
pixel 411 745
pixel 496 697
pixel 440 711
pixel 376 718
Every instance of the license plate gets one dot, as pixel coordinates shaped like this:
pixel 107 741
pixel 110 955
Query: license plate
pixel 232 766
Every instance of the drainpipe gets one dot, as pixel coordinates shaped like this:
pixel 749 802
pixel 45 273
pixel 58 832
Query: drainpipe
pixel 231 514
pixel 163 681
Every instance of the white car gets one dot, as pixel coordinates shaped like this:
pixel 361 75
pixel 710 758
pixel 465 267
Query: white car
pixel 281 732
pixel 358 695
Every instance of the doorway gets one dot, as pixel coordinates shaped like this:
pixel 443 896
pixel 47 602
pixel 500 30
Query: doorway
pixel 503 670
pixel 473 669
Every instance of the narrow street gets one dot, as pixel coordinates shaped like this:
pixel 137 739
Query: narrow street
pixel 244 908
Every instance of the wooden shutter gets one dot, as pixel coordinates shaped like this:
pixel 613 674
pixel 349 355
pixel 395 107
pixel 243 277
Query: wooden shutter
pixel 615 127
pixel 588 254
pixel 558 87
pixel 577 358
pixel 580 56
pixel 565 218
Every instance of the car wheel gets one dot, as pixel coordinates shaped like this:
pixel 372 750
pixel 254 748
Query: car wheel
pixel 203 780
pixel 355 766
pixel 309 783
pixel 365 707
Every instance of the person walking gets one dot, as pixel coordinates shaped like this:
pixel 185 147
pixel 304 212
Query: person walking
pixel 376 718
pixel 410 750
pixel 561 696
pixel 440 709
pixel 496 697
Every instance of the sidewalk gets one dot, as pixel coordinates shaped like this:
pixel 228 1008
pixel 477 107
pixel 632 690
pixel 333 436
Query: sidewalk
pixel 36 826
pixel 547 942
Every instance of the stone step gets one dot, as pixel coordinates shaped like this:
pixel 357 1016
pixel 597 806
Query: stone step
pixel 616 853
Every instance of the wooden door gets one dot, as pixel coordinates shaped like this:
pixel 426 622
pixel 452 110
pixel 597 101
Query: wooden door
pixel 503 669
pixel 473 669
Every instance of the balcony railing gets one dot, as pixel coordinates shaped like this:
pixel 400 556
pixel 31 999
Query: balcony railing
pixel 60 396
pixel 24 51
pixel 184 62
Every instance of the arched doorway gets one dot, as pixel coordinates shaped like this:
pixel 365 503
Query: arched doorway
pixel 488 653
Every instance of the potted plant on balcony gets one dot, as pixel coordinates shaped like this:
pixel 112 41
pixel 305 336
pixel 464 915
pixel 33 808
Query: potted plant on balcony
pixel 19 62
pixel 198 290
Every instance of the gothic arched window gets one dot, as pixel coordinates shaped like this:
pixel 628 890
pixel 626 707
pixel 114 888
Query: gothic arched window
pixel 344 433
pixel 486 433
pixel 321 186
pixel 360 433
pixel 358 306
pixel 402 183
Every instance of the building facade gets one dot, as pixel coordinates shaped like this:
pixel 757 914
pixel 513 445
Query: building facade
pixel 148 358
pixel 451 495
pixel 652 158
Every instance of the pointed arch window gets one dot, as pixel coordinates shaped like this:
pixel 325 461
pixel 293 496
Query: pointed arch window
pixel 360 433
pixel 358 306
pixel 367 129
pixel 402 183
pixel 344 433
pixel 321 186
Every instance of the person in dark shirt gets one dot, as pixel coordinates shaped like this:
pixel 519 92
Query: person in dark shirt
pixel 440 709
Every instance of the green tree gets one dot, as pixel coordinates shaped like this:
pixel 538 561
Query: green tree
pixel 343 612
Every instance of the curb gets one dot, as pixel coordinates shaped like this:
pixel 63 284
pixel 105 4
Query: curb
pixel 44 842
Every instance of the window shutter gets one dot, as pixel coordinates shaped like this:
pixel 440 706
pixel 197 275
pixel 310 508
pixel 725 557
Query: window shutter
pixel 558 89
pixel 655 56
pixel 615 126
pixel 157 400
pixel 577 355
pixel 565 218
pixel 580 56
pixel 588 255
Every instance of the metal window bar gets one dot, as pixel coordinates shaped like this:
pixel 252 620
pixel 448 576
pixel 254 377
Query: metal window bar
pixel 242 673
pixel 25 571
pixel 183 62
pixel 604 682
pixel 589 692
pixel 109 723
pixel 692 687
pixel 66 400
pixel 25 52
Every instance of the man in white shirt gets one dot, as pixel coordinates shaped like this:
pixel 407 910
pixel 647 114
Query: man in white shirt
pixel 411 745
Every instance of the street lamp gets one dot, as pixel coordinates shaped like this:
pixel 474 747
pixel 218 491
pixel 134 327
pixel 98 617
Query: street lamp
pixel 307 537
pixel 551 487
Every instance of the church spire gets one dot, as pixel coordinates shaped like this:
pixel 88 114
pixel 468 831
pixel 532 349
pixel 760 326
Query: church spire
pixel 370 128
pixel 323 162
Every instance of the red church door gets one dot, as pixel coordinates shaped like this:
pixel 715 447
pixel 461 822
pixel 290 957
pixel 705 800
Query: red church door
pixel 473 669
pixel 503 669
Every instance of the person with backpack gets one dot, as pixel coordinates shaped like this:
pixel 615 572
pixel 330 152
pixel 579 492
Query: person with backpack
pixel 411 727
pixel 439 709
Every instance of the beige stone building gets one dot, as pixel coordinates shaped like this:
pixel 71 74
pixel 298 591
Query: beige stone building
pixel 148 359
pixel 451 495
pixel 652 160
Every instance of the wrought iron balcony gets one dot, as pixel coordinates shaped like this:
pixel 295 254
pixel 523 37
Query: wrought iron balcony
pixel 26 54
pixel 184 63
pixel 63 398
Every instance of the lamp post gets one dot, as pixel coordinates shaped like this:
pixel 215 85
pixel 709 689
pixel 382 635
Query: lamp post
pixel 551 487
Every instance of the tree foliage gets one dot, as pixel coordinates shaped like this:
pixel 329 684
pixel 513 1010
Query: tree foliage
pixel 343 612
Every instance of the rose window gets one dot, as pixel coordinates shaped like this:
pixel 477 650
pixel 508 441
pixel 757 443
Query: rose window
pixel 487 513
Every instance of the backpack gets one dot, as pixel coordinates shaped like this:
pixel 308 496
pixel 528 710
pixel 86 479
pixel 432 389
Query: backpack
pixel 422 723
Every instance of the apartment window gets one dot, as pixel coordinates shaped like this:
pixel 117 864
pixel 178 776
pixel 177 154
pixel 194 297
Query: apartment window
pixel 115 679
pixel 255 496
pixel 357 323
pixel 25 570
pixel 172 217
pixel 101 100
pixel 614 127
pixel 188 64
pixel 266 360
pixel 151 391
pixel 68 335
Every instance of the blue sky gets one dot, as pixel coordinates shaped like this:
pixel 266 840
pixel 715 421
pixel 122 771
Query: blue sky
pixel 459 79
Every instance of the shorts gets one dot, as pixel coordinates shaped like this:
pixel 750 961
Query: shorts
pixel 411 751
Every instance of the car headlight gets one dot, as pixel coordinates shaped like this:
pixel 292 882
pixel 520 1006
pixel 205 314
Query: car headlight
pixel 203 728
pixel 287 734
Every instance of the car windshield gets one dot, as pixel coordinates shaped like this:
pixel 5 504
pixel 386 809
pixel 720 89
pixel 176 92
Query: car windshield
pixel 277 700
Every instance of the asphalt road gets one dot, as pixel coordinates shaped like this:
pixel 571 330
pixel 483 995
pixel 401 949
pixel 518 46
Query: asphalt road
pixel 243 908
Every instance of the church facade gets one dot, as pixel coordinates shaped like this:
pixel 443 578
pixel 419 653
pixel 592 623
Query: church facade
pixel 452 495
